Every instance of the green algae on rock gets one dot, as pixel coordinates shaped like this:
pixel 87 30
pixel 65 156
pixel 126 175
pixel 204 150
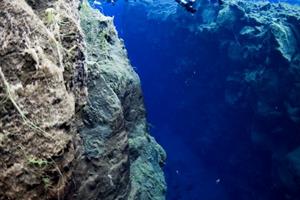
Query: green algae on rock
pixel 71 109
pixel 114 119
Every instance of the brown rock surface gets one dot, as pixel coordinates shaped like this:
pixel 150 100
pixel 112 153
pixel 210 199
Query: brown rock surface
pixel 57 142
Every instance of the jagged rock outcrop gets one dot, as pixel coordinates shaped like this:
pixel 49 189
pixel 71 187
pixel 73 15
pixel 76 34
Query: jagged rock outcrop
pixel 72 120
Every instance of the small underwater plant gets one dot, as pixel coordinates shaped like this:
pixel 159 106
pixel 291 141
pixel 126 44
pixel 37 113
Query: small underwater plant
pixel 37 162
pixel 46 181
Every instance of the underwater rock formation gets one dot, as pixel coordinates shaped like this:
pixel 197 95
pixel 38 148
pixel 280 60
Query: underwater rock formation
pixel 124 159
pixel 234 74
pixel 259 43
pixel 72 119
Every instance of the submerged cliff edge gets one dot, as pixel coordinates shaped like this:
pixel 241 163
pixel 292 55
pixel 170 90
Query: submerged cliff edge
pixel 72 119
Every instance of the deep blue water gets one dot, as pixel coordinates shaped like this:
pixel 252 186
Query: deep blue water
pixel 211 155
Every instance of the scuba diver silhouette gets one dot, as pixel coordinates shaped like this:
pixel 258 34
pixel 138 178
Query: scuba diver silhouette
pixel 189 5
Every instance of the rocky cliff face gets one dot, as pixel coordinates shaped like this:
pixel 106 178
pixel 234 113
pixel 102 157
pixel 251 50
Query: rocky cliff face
pixel 238 65
pixel 72 120
pixel 258 45
pixel 263 41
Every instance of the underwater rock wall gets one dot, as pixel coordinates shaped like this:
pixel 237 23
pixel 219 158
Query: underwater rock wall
pixel 259 46
pixel 124 159
pixel 72 119
pixel 42 86
pixel 229 76
pixel 268 50
pixel 261 42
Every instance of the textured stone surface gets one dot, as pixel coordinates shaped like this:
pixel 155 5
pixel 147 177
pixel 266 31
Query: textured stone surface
pixel 72 119
pixel 123 157
pixel 40 85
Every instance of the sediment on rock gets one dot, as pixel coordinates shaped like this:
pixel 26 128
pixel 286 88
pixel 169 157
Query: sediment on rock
pixel 71 107
pixel 37 103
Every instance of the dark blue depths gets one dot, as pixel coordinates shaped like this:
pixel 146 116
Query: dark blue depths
pixel 213 151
